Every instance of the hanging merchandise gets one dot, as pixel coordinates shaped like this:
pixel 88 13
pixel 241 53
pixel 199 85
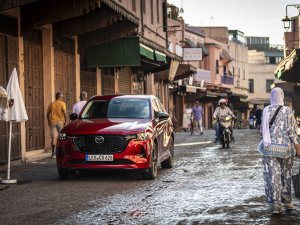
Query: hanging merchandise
pixel 3 104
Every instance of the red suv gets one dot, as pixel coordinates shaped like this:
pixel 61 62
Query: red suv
pixel 124 132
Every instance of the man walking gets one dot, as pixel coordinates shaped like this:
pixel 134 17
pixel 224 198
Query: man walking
pixel 56 116
pixel 77 107
pixel 197 114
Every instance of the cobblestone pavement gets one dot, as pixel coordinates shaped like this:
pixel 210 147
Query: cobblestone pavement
pixel 208 185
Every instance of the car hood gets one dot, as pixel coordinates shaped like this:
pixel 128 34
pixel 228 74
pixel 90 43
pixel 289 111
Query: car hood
pixel 106 126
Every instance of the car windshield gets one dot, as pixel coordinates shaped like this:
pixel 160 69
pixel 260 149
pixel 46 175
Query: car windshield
pixel 117 108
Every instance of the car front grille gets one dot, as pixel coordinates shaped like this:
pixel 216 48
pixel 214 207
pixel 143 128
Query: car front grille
pixel 111 144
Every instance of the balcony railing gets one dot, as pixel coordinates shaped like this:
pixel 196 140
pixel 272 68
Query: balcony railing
pixel 227 80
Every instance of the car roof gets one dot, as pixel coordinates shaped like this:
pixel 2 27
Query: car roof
pixel 108 97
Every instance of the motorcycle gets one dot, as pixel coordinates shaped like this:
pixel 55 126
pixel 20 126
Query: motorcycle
pixel 225 131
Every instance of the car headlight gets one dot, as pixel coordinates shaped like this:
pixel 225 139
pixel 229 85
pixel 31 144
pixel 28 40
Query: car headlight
pixel 139 137
pixel 143 136
pixel 62 136
pixel 130 137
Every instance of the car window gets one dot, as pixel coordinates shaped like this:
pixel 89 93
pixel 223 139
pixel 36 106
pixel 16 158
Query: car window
pixel 117 108
pixel 128 108
pixel 95 109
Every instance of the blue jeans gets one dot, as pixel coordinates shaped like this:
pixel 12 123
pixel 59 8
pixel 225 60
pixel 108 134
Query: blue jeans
pixel 217 129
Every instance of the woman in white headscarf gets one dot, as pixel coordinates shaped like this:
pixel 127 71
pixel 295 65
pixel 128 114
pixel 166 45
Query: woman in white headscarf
pixel 277 167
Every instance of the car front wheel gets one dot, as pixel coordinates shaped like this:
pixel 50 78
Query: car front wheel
pixel 151 173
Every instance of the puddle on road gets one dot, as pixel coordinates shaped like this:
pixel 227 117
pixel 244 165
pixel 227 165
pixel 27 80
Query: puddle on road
pixel 211 185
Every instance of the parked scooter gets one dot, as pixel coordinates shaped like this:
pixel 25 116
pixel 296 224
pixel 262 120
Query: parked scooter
pixel 225 130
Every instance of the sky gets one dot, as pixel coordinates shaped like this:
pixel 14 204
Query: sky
pixel 253 17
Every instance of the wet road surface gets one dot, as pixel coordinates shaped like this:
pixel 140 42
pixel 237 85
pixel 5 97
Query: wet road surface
pixel 208 185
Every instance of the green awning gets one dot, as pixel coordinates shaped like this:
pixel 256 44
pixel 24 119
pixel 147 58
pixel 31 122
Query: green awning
pixel 160 56
pixel 146 51
pixel 122 52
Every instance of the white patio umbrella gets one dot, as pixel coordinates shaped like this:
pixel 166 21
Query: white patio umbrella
pixel 16 112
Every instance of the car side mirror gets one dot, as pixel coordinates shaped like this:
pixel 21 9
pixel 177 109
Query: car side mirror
pixel 163 116
pixel 73 116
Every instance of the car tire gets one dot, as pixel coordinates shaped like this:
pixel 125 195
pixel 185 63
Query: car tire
pixel 151 173
pixel 169 162
pixel 65 174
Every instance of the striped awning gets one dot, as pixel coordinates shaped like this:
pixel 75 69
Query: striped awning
pixel 184 71
pixel 226 56
pixel 9 4
pixel 119 9
pixel 288 69
pixel 190 43
pixel 204 49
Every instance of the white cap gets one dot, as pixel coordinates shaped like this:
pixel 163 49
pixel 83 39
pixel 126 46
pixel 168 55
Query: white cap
pixel 222 100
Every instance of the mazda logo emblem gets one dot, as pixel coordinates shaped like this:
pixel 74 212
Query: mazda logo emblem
pixel 99 139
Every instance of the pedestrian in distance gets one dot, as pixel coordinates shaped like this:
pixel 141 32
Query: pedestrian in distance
pixel 258 115
pixel 197 115
pixel 77 107
pixel 278 147
pixel 56 116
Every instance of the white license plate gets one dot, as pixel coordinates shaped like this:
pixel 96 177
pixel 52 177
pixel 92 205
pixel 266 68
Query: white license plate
pixel 99 157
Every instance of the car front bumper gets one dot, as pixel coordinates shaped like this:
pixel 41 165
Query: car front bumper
pixel 135 156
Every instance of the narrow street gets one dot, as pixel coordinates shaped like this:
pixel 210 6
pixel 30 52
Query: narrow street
pixel 208 185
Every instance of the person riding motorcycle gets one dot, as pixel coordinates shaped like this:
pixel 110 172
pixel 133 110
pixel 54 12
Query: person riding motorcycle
pixel 222 111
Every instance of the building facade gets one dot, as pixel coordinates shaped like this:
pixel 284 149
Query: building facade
pixel 262 58
pixel 56 47
pixel 287 70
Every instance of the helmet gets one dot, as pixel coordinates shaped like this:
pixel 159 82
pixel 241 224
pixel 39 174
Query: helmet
pixel 222 100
